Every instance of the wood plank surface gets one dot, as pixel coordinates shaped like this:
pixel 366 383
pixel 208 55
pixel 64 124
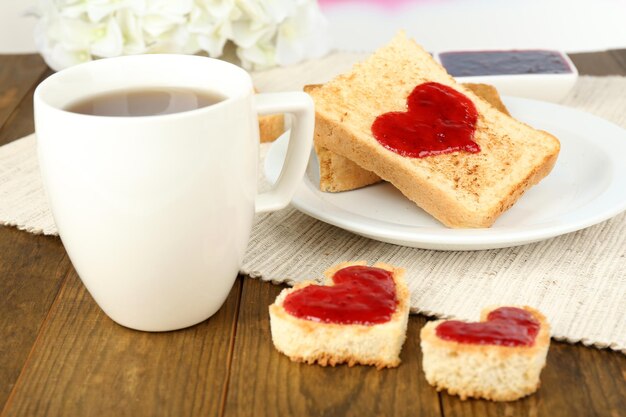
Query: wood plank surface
pixel 32 269
pixel 18 73
pixel 268 383
pixel 21 122
pixel 84 364
pixel 620 56
pixel 599 63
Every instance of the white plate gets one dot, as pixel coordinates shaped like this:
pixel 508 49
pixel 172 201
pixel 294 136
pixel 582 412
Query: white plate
pixel 586 186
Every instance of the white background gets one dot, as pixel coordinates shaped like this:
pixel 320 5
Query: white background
pixel 439 25
pixel 16 29
pixel 443 25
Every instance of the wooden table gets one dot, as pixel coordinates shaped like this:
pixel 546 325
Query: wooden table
pixel 61 356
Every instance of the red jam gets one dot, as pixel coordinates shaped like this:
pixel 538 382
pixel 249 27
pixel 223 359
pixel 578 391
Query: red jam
pixel 360 295
pixel 505 326
pixel 438 120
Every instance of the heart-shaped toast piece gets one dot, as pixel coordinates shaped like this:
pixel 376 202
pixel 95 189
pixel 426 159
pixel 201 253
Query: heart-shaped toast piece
pixel 499 358
pixel 438 120
pixel 359 316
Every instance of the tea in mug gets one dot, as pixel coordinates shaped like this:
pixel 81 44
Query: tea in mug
pixel 145 102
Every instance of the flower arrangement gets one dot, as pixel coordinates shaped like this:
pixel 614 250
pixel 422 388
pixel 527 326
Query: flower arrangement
pixel 263 33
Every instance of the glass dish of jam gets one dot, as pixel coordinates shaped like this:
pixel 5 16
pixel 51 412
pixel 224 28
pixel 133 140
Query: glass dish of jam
pixel 475 63
pixel 537 74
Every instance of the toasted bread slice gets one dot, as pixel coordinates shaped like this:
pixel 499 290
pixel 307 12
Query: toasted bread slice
pixel 341 174
pixel 460 189
pixel 309 341
pixel 338 173
pixel 271 127
pixel 492 372
pixel 489 93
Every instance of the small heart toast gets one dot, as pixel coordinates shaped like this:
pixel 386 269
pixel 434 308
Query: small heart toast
pixel 359 317
pixel 499 358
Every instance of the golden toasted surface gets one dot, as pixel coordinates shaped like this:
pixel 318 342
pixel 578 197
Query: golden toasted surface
pixel 271 127
pixel 489 93
pixel 338 173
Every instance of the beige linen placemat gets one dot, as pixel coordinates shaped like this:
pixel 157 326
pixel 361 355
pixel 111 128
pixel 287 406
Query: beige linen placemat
pixel 578 280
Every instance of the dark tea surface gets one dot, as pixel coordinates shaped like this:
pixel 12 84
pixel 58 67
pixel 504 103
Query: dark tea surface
pixel 145 102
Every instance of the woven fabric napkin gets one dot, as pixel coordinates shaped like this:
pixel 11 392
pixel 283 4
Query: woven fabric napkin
pixel 578 280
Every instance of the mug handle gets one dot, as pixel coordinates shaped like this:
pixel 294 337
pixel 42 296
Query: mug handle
pixel 301 106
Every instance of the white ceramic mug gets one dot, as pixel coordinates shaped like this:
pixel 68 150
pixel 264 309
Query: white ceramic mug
pixel 155 212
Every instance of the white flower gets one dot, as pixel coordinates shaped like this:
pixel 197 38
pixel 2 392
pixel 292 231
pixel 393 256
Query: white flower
pixel 175 41
pixel 211 23
pixel 163 16
pixel 264 32
pixel 56 55
pixel 260 55
pixel 107 41
pixel 303 35
pixel 97 10
pixel 132 32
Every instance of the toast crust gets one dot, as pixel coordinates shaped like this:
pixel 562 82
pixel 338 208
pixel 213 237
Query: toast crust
pixel 459 189
pixel 271 127
pixel 338 173
pixel 330 344
pixel 519 366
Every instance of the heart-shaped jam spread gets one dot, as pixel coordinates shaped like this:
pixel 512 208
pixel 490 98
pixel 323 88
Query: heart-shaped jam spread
pixel 438 120
pixel 360 295
pixel 505 326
